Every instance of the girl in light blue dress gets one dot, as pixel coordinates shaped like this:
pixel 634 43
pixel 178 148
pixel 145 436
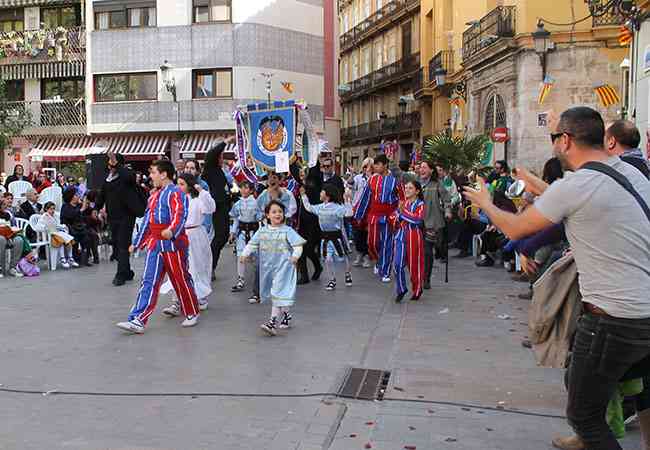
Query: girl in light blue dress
pixel 278 248
pixel 246 216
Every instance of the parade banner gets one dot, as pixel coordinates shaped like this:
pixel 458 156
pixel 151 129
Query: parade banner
pixel 272 133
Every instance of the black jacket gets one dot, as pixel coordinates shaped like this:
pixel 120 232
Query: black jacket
pixel 118 195
pixel 27 210
pixel 11 178
pixel 214 176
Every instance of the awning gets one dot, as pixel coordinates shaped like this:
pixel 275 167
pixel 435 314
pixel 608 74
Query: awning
pixel 61 149
pixel 53 69
pixel 134 147
pixel 200 143
pixel 14 3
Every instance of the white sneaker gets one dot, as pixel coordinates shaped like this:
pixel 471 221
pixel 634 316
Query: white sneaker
pixel 2 275
pixel 376 270
pixel 203 304
pixel 253 299
pixel 385 280
pixel 132 326
pixel 190 321
pixel 15 273
pixel 172 310
pixel 366 262
pixel 73 263
pixel 357 262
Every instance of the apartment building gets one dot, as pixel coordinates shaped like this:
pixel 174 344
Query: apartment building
pixel 379 59
pixel 42 62
pixel 166 76
pixel 485 53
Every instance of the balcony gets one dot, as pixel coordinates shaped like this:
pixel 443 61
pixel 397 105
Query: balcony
pixel 498 23
pixel 444 59
pixel 26 47
pixel 610 18
pixel 387 15
pixel 380 78
pixel 376 130
pixel 52 116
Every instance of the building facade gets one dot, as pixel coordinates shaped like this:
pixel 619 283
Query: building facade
pixel 639 88
pixel 487 52
pixel 379 59
pixel 43 64
pixel 164 77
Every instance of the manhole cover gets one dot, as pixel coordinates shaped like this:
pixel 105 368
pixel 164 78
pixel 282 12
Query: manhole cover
pixel 364 384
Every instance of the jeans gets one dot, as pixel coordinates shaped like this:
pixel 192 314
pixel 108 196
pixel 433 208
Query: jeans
pixel 360 236
pixel 605 350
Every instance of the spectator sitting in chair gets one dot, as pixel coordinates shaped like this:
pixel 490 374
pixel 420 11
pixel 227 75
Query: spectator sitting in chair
pixel 8 239
pixel 72 217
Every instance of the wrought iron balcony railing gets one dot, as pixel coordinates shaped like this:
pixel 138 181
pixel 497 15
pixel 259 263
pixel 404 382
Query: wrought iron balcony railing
pixel 378 129
pixel 381 77
pixel 51 113
pixel 444 59
pixel 376 22
pixel 60 44
pixel 499 23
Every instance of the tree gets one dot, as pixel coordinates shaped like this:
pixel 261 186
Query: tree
pixel 456 152
pixel 14 117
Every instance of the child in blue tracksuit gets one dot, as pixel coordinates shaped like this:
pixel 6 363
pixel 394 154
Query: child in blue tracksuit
pixel 330 218
pixel 246 216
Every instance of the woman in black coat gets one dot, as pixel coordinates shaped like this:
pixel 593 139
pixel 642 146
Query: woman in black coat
pixel 216 179
pixel 18 175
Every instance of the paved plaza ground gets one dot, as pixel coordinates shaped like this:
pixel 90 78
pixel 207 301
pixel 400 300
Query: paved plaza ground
pixel 58 334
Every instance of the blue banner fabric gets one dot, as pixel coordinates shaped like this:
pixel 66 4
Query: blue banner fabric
pixel 271 132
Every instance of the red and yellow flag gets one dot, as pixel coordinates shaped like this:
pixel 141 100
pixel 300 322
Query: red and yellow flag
pixel 607 95
pixel 625 36
pixel 458 101
pixel 288 86
pixel 547 85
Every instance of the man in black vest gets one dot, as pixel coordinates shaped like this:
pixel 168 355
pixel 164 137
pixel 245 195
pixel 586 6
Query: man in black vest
pixel 124 202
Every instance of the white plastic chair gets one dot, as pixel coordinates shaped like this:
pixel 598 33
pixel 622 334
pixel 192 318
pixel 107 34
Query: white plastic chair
pixel 52 194
pixel 18 189
pixel 43 240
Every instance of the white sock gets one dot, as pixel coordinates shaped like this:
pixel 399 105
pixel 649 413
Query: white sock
pixel 329 265
pixel 241 269
pixel 275 311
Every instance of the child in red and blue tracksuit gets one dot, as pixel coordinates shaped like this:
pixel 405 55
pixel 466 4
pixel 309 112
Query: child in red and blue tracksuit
pixel 377 203
pixel 408 221
pixel 166 212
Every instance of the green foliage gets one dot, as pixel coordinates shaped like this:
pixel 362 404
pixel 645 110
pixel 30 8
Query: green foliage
pixel 14 117
pixel 455 152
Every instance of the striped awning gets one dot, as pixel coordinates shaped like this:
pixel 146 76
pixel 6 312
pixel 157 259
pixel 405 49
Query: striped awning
pixel 202 142
pixel 15 3
pixel 61 149
pixel 134 146
pixel 54 69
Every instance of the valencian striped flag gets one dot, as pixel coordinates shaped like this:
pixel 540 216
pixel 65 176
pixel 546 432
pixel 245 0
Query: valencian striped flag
pixel 457 101
pixel 607 95
pixel 625 36
pixel 547 85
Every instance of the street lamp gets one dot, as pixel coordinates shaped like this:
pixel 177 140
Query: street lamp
pixel 402 106
pixel 440 75
pixel 167 72
pixel 543 44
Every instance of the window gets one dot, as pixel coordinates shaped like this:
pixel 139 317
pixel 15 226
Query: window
pixel 142 17
pixel 126 87
pixel 212 83
pixel 15 90
pixel 11 20
pixel 367 59
pixel 67 17
pixel 212 10
pixel 110 19
pixel 63 88
pixel 379 54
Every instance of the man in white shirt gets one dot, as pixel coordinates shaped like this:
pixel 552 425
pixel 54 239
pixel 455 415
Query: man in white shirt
pixel 610 238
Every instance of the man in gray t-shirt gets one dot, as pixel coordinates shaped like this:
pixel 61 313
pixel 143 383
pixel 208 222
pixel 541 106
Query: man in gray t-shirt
pixel 610 239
